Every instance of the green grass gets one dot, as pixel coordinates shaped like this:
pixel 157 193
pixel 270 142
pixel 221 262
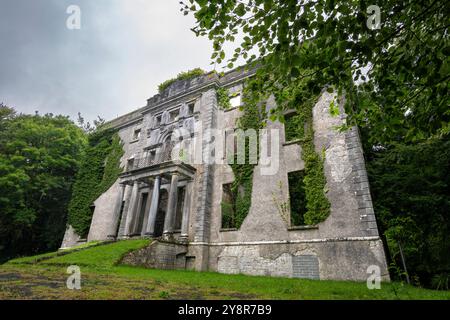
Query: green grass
pixel 101 257
pixel 102 278
pixel 48 255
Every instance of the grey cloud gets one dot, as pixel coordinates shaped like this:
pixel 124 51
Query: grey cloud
pixel 109 67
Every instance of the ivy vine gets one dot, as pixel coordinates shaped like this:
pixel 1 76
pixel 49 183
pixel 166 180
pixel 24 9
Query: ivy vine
pixel 235 211
pixel 300 126
pixel 100 168
pixel 223 98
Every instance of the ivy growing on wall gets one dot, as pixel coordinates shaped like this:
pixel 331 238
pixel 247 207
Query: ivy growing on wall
pixel 300 126
pixel 223 98
pixel 236 209
pixel 181 76
pixel 100 168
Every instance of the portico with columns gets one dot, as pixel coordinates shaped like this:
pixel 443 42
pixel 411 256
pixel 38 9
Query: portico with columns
pixel 144 211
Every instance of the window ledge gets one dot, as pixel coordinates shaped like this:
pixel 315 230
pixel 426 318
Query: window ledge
pixel 134 141
pixel 228 229
pixel 230 109
pixel 307 227
pixel 287 143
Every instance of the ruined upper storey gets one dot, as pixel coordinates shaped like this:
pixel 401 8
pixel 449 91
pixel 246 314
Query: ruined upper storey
pixel 181 91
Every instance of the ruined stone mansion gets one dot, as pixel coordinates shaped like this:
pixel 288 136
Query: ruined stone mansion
pixel 162 195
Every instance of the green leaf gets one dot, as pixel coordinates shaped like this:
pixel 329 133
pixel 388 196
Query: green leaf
pixel 240 10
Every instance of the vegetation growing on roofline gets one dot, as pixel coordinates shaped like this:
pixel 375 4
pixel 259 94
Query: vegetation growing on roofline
pixel 181 76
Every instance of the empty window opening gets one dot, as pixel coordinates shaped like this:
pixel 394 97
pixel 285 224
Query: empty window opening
pixel 150 156
pixel 136 134
pixel 235 100
pixel 130 164
pixel 174 115
pixel 297 197
pixel 228 207
pixel 191 108
pixel 294 127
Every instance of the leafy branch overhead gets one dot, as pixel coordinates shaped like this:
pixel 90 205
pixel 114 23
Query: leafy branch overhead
pixel 403 65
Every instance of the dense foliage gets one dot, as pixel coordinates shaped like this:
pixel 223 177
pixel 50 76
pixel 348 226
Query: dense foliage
pixel 39 156
pixel 411 190
pixel 100 167
pixel 402 62
pixel 181 76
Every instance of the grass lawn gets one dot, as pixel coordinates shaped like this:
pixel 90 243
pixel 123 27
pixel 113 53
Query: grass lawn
pixel 44 277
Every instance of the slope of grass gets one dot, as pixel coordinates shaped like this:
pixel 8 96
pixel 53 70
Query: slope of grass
pixel 101 257
pixel 48 255
pixel 102 278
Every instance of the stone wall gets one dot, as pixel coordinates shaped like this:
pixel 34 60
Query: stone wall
pixel 345 244
pixel 326 259
pixel 158 255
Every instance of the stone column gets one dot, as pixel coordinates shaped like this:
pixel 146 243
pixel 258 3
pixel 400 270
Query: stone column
pixel 146 211
pixel 186 212
pixel 137 216
pixel 132 208
pixel 112 234
pixel 150 228
pixel 171 207
pixel 123 219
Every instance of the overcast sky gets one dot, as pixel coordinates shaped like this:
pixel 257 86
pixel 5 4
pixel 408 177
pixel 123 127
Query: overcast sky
pixel 109 67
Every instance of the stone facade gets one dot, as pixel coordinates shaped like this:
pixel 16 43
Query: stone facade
pixel 166 193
